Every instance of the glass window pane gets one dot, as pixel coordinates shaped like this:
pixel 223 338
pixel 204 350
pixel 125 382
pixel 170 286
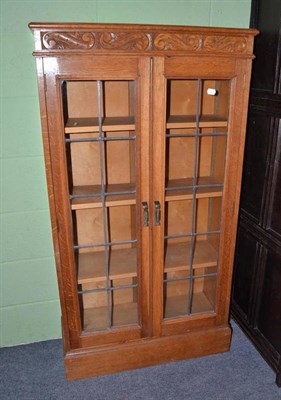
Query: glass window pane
pixel 93 299
pixel 178 217
pixel 124 302
pixel 176 297
pixel 100 141
pixel 203 294
pixel 196 141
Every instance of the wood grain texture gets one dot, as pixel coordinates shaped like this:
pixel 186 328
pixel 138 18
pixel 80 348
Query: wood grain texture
pixel 109 124
pixel 123 262
pixel 177 305
pixel 153 39
pixel 233 176
pixel 123 314
pixel 147 71
pixel 85 201
pixel 52 204
pixel 189 121
pixel 110 359
pixel 177 256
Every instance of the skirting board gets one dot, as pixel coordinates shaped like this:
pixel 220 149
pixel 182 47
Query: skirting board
pixel 89 362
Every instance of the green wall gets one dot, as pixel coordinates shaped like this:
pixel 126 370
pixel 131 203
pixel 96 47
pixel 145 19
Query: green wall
pixel 29 305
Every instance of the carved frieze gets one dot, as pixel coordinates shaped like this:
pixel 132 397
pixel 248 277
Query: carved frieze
pixel 177 41
pixel 143 41
pixel 225 44
pixel 125 41
pixel 67 40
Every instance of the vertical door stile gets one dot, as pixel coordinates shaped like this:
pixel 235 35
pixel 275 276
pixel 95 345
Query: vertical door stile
pixel 96 171
pixel 60 184
pixel 143 180
pixel 158 160
pixel 190 142
pixel 234 164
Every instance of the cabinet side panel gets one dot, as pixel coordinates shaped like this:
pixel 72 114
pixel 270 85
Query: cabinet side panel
pixel 48 168
pixel 61 203
pixel 234 163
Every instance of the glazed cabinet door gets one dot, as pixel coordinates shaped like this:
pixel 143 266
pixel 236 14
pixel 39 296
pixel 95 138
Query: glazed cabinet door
pixel 197 154
pixel 98 123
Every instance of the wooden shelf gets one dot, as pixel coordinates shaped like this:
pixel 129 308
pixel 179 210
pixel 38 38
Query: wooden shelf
pixel 96 319
pixel 189 121
pixel 187 194
pixel 85 202
pixel 123 264
pixel 177 256
pixel 109 124
pixel 177 305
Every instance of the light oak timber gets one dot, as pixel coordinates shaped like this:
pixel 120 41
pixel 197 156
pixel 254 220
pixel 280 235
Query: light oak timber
pixel 178 305
pixel 145 58
pixel 130 199
pixel 109 124
pixel 96 319
pixel 178 256
pixel 189 121
pixel 187 194
pixel 96 202
pixel 123 314
pixel 119 334
pixel 88 362
pixel 123 262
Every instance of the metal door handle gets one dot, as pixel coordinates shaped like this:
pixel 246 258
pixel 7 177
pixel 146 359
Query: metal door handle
pixel 145 213
pixel 157 206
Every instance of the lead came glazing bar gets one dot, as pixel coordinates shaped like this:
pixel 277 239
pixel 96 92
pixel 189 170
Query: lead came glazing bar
pixel 77 196
pixel 107 243
pixel 104 210
pixel 109 289
pixel 214 146
pixel 211 185
pixel 101 139
pixel 187 278
pixel 191 234
pixel 177 135
pixel 194 208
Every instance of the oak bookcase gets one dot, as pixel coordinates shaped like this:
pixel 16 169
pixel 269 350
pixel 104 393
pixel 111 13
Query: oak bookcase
pixel 143 130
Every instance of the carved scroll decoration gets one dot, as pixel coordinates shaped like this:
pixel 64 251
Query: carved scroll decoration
pixel 65 40
pixel 142 41
pixel 177 41
pixel 125 41
pixel 225 44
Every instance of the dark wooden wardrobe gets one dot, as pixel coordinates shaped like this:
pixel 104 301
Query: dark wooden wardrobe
pixel 256 296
